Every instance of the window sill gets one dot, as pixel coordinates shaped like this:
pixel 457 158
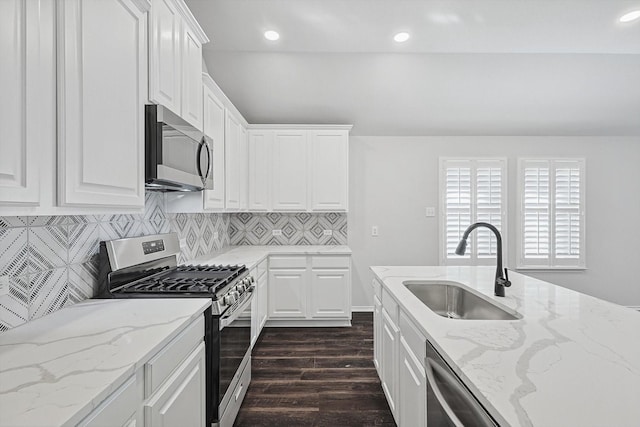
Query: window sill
pixel 547 268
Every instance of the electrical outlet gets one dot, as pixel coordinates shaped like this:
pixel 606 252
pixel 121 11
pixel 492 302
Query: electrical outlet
pixel 215 234
pixel 430 212
pixel 327 232
pixel 4 285
pixel 276 233
pixel 374 231
pixel 183 243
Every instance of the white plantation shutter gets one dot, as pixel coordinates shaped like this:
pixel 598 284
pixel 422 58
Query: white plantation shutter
pixel 457 204
pixel 472 190
pixel 551 214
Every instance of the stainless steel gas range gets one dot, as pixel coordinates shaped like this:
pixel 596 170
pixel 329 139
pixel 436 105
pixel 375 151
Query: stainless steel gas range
pixel 146 267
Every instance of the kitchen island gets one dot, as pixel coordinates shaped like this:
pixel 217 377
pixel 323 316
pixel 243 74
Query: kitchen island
pixel 569 360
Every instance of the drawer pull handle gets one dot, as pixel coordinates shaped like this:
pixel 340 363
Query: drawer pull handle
pixel 239 392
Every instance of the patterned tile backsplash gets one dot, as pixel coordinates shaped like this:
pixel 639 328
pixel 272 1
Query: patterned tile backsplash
pixel 51 261
pixel 296 228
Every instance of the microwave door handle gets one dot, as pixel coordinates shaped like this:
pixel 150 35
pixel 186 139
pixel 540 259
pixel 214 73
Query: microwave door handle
pixel 206 144
pixel 201 144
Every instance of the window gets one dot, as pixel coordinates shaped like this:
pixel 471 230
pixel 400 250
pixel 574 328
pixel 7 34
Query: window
pixel 551 213
pixel 471 190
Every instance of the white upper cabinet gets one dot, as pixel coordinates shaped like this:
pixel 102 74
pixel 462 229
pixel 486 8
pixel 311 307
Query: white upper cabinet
pixel 214 122
pixel 242 164
pixel 102 89
pixel 192 78
pixel 289 182
pixel 260 146
pixel 299 168
pixel 165 66
pixel 26 57
pixel 233 134
pixel 175 60
pixel 329 169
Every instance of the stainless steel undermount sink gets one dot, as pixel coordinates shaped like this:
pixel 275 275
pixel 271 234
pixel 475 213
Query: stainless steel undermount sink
pixel 451 300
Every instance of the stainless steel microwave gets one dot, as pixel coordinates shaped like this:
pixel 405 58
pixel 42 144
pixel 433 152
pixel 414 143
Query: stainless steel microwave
pixel 178 157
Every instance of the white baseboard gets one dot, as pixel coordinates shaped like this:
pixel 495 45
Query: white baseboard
pixel 361 308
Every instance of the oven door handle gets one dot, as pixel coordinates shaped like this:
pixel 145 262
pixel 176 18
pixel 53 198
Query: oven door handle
pixel 226 321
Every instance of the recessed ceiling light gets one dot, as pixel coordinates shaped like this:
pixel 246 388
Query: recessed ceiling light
pixel 631 16
pixel 271 35
pixel 401 37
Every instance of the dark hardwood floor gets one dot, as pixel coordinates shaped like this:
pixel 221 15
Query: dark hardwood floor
pixel 315 377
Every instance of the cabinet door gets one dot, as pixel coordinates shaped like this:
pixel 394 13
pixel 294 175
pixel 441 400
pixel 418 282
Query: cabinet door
pixel 412 396
pixel 243 168
pixel 263 300
pixel 330 292
pixel 26 76
pixel 120 408
pixel 260 145
pixel 101 95
pixel 165 45
pixel 214 128
pixel 390 361
pixel 289 177
pixel 181 400
pixel 287 293
pixel 232 149
pixel 329 170
pixel 377 334
pixel 191 77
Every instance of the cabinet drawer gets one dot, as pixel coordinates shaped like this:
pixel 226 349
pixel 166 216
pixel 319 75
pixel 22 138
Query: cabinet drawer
pixel 416 342
pixel 390 305
pixel 288 262
pixel 377 288
pixel 163 364
pixel 262 268
pixel 119 408
pixel 330 262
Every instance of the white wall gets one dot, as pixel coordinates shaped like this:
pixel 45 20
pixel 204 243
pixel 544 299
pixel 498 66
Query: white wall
pixel 393 179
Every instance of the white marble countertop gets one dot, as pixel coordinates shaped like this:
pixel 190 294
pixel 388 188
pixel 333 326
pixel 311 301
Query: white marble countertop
pixel 572 360
pixel 55 370
pixel 252 255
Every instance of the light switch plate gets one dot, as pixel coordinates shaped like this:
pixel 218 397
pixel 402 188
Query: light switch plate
pixel 183 243
pixel 215 234
pixel 430 212
pixel 276 233
pixel 4 285
pixel 327 232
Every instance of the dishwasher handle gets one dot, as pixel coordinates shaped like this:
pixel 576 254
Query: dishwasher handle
pixel 480 416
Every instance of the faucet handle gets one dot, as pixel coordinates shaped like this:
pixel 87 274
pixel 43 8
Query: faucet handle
pixel 506 283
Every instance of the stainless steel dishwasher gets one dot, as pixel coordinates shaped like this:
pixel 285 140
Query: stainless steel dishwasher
pixel 449 402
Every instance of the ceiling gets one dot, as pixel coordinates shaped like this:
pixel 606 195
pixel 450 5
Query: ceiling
pixel 471 67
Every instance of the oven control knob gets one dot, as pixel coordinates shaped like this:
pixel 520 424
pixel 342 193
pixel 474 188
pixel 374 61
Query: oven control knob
pixel 252 279
pixel 240 288
pixel 230 298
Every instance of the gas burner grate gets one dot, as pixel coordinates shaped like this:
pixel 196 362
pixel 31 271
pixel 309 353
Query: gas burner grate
pixel 198 279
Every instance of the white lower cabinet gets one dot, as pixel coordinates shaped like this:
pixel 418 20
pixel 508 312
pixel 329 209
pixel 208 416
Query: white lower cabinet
pixel 170 390
pixel 180 401
pixel 398 354
pixel 308 290
pixel 412 396
pixel 263 303
pixel 389 362
pixel 287 293
pixel 377 333
pixel 121 408
pixel 329 293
